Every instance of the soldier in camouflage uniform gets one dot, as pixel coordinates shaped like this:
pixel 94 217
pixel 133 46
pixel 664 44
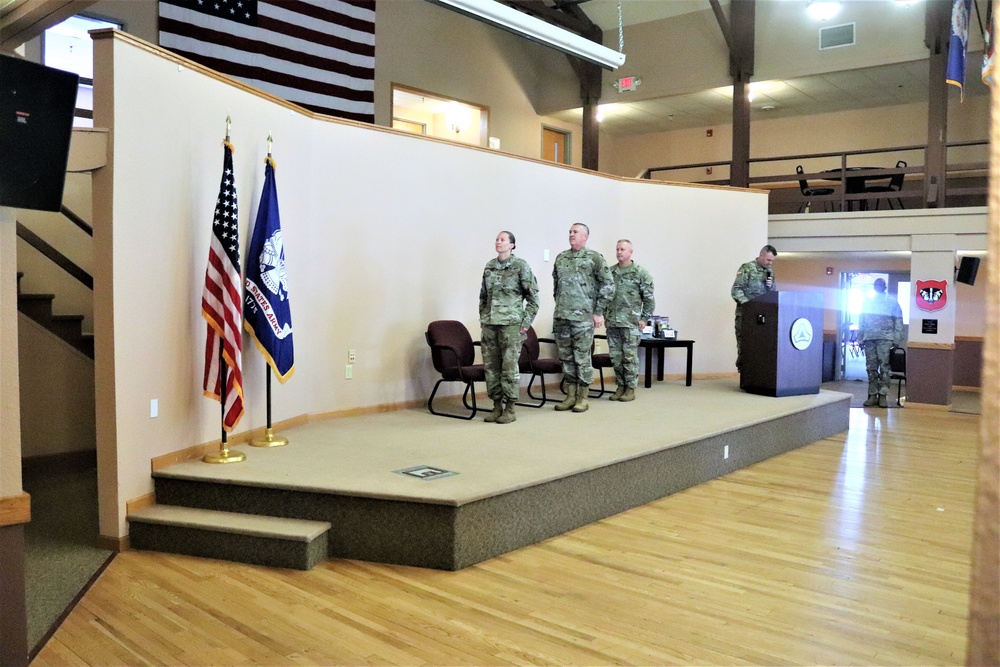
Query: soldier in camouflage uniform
pixel 753 279
pixel 508 302
pixel 583 289
pixel 880 327
pixel 630 309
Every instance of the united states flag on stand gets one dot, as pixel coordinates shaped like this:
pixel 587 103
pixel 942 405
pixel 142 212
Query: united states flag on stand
pixel 222 300
pixel 319 54
pixel 269 312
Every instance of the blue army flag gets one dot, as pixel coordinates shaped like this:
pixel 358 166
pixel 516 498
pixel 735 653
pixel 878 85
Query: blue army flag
pixel 267 311
pixel 955 74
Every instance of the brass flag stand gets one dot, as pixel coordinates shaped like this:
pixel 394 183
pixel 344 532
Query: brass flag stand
pixel 269 439
pixel 224 455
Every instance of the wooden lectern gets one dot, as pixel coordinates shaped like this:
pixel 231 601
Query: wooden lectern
pixel 782 344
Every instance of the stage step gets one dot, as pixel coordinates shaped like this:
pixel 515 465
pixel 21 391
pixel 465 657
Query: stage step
pixel 243 538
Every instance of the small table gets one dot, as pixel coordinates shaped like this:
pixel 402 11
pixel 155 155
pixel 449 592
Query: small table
pixel 856 181
pixel 658 344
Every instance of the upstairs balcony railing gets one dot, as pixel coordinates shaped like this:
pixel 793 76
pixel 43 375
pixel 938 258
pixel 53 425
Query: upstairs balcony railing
pixel 853 180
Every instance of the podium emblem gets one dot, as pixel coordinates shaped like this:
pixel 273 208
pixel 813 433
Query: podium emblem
pixel 801 333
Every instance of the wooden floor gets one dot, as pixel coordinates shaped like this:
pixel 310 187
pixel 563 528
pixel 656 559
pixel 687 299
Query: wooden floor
pixel 852 550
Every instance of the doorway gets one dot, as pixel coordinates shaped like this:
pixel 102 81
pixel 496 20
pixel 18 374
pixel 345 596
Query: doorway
pixel 855 287
pixel 555 145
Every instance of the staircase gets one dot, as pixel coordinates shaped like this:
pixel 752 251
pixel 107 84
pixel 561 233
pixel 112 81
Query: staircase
pixel 66 327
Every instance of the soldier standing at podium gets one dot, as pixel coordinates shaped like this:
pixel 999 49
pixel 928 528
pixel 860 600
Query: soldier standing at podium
pixel 752 279
pixel 880 327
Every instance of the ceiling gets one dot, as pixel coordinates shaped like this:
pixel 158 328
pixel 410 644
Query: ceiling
pixel 887 85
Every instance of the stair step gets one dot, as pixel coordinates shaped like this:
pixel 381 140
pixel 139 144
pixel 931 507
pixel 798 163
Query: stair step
pixel 67 327
pixel 243 538
pixel 36 306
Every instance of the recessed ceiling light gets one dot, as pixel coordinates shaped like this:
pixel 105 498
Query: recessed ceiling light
pixel 767 107
pixel 822 10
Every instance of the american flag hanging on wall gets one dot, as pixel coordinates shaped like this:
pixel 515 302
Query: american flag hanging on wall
pixel 222 300
pixel 319 54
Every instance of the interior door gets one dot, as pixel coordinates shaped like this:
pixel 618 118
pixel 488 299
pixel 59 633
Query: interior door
pixel 555 145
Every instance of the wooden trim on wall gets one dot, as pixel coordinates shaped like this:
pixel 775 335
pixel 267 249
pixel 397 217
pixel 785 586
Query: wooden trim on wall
pixel 969 339
pixel 930 346
pixel 15 510
pixel 116 544
pixel 140 503
pixel 111 33
pixel 910 405
pixel 197 451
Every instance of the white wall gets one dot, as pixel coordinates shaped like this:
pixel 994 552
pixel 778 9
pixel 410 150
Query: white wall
pixel 383 232
pixel 57 381
pixel 10 408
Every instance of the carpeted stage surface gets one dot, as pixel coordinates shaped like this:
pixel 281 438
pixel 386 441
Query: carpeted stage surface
pixel 505 486
pixel 360 455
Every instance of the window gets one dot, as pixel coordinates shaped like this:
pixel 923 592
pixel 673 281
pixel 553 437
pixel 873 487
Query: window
pixel 67 46
pixel 433 115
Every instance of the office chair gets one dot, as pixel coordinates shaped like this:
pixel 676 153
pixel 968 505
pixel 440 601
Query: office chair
pixel 897 371
pixel 453 354
pixel 529 362
pixel 599 362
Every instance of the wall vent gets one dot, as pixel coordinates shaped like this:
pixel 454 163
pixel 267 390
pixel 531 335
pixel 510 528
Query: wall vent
pixel 836 36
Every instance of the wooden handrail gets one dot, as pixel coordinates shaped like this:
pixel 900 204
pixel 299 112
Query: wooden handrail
pixel 76 220
pixel 56 257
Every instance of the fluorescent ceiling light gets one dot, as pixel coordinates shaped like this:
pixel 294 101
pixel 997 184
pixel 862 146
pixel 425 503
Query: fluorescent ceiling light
pixel 522 24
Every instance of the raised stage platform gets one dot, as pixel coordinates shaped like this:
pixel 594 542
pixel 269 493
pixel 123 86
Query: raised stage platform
pixel 507 486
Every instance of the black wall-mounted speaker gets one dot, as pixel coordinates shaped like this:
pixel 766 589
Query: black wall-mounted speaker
pixel 36 122
pixel 967 270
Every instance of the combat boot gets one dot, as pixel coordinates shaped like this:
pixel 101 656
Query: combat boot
pixel 617 396
pixel 570 400
pixel 581 404
pixel 629 395
pixel 497 411
pixel 508 414
pixel 883 401
pixel 872 400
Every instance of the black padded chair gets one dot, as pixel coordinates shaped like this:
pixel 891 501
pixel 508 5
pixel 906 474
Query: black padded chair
pixel 809 192
pixel 530 362
pixel 897 371
pixel 599 362
pixel 895 185
pixel 453 353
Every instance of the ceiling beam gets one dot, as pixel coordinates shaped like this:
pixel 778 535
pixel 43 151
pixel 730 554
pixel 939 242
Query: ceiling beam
pixel 720 17
pixel 539 9
pixel 23 20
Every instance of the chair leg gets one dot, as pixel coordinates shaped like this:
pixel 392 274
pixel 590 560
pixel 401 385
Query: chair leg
pixel 899 391
pixel 468 386
pixel 597 393
pixel 541 401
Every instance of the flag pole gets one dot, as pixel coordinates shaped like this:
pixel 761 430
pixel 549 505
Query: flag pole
pixel 269 439
pixel 224 455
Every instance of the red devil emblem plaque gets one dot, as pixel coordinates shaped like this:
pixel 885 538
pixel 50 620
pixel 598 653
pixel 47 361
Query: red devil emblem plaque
pixel 932 294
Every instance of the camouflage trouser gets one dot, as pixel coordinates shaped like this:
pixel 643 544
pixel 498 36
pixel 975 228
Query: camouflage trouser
pixel 739 331
pixel 877 363
pixel 501 350
pixel 623 344
pixel 574 341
